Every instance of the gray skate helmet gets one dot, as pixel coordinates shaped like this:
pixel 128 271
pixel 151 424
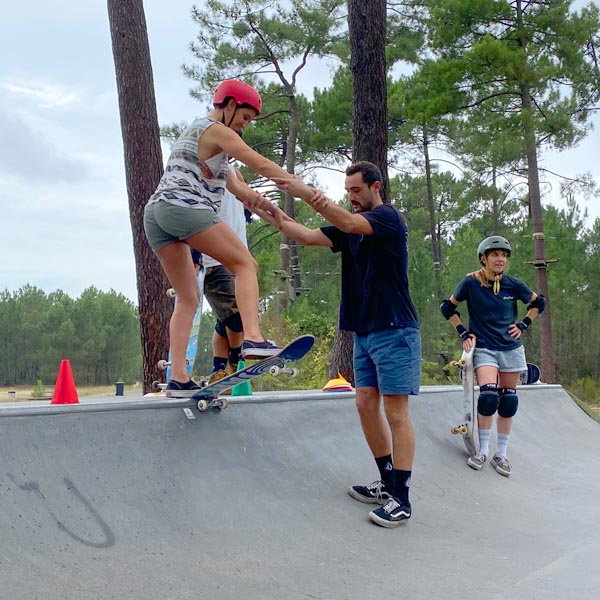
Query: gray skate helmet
pixel 494 242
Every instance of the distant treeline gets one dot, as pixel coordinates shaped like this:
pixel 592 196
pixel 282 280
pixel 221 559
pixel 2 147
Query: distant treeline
pixel 98 332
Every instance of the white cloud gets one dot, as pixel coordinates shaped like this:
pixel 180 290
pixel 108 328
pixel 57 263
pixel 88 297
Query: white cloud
pixel 49 95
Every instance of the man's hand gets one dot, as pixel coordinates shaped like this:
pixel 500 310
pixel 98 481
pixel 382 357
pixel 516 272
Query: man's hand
pixel 294 186
pixel 319 201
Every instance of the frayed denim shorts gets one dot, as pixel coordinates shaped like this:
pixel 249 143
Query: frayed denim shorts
pixel 506 361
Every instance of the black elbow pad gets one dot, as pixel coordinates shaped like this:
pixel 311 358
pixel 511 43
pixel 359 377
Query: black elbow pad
pixel 539 303
pixel 448 309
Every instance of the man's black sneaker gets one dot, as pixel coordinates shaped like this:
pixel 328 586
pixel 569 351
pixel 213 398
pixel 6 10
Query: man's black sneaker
pixel 253 350
pixel 391 514
pixel 374 493
pixel 180 387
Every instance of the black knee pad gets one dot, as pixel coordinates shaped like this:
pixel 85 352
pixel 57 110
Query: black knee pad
pixel 234 322
pixel 487 403
pixel 220 329
pixel 508 403
pixel 234 356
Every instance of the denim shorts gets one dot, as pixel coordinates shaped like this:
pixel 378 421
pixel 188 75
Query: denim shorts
pixel 165 222
pixel 506 361
pixel 219 289
pixel 389 359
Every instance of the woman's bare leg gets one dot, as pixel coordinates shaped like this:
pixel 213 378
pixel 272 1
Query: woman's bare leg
pixel 221 243
pixel 176 260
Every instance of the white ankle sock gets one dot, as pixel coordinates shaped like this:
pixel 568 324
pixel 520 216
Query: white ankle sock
pixel 484 441
pixel 503 443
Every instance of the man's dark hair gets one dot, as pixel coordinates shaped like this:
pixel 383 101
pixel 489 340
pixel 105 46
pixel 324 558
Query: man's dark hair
pixel 370 172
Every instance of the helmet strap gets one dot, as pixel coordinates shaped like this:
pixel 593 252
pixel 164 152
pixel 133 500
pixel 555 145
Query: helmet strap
pixel 232 116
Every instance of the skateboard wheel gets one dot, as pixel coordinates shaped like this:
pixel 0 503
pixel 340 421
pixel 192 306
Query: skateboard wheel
pixel 275 370
pixel 156 385
pixel 171 293
pixel 223 403
pixel 459 429
pixel 162 364
pixel 293 372
pixel 202 405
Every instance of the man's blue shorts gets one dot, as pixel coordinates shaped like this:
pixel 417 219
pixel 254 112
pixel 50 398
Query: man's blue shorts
pixel 389 359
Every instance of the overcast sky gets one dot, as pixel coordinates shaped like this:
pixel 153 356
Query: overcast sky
pixel 65 222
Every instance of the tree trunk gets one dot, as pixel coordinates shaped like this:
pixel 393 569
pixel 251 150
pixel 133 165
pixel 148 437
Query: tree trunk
pixel 433 229
pixel 288 249
pixel 143 170
pixel 539 256
pixel 367 31
pixel 540 263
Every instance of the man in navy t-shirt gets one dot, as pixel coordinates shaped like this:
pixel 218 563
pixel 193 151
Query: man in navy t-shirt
pixel 377 308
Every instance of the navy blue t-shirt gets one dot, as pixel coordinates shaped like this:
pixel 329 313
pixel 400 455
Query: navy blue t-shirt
pixel 490 315
pixel 375 273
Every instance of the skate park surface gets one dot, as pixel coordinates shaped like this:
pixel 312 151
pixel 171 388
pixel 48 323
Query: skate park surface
pixel 131 498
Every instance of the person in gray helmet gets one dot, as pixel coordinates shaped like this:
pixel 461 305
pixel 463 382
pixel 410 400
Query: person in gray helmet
pixel 492 295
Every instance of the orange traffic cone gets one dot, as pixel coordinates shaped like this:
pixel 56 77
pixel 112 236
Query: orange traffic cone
pixel 64 388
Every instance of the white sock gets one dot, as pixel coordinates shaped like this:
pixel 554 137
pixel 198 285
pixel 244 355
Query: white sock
pixel 503 444
pixel 484 441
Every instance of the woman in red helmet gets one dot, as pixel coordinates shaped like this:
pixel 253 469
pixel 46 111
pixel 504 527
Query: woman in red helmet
pixel 182 213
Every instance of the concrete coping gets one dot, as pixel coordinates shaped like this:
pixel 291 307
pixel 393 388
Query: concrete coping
pixel 113 403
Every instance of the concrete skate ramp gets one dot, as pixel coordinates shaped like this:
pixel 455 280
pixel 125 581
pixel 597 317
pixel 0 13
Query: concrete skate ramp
pixel 115 503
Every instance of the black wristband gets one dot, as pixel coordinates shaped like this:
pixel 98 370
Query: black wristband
pixel 524 324
pixel 463 334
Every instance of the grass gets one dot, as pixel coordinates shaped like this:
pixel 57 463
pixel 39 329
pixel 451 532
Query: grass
pixel 592 411
pixel 23 393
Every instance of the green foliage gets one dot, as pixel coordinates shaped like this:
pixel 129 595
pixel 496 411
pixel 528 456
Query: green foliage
pixel 98 332
pixel 38 390
pixel 243 38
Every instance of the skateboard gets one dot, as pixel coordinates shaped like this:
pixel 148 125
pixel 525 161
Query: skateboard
pixel 531 376
pixel 208 397
pixel 467 428
pixel 192 347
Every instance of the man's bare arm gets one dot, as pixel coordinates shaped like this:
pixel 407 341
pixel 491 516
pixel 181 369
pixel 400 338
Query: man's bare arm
pixel 334 213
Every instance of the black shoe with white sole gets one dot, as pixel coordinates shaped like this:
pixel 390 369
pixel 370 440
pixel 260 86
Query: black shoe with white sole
pixel 374 493
pixel 391 514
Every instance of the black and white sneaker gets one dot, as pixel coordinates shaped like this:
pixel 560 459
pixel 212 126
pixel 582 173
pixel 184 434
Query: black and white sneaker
pixel 391 514
pixel 374 493
pixel 253 350
pixel 182 387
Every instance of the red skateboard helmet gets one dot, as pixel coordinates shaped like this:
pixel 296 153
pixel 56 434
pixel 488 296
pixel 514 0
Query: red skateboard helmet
pixel 241 92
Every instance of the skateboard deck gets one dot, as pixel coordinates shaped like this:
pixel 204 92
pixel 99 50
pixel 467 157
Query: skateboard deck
pixel 531 376
pixel 192 347
pixel 467 428
pixel 208 397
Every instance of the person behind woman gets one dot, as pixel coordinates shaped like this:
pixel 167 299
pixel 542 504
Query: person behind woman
pixel 182 213
pixel 492 296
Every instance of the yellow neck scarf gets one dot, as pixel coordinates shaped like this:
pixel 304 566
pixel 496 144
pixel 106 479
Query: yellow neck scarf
pixel 496 286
